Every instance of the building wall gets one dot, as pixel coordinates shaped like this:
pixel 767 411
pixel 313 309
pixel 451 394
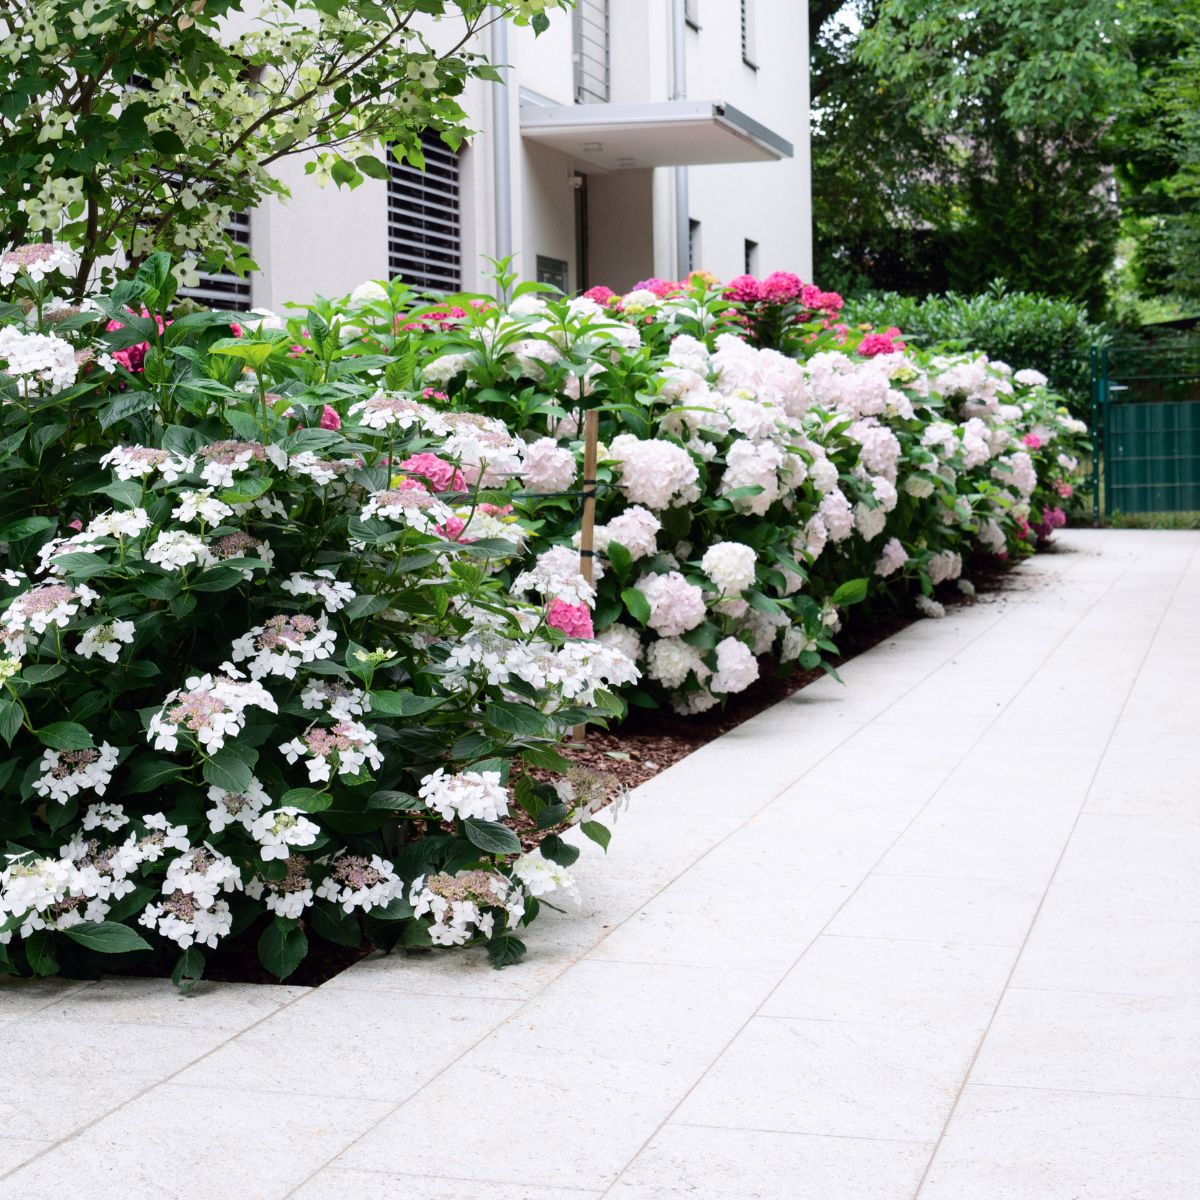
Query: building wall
pixel 328 240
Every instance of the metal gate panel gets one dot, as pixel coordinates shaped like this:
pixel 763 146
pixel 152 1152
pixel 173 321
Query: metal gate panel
pixel 1146 425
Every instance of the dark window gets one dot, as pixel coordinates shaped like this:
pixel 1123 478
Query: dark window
pixel 554 271
pixel 425 219
pixel 693 244
pixel 751 257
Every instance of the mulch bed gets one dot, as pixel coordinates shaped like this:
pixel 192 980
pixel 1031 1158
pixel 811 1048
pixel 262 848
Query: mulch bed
pixel 645 744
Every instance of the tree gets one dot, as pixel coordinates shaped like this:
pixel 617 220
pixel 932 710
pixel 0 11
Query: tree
pixel 1156 149
pixel 883 186
pixel 131 125
pixel 990 155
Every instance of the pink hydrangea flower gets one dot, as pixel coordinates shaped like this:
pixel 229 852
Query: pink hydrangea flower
pixel 452 530
pixel 878 343
pixel 1064 489
pixel 573 619
pixel 744 289
pixel 1032 441
pixel 780 287
pixel 133 358
pixel 441 475
pixel 330 418
pixel 600 295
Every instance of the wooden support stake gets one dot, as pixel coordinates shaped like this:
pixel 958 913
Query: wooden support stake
pixel 591 437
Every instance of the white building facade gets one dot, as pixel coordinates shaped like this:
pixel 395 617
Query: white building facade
pixel 633 138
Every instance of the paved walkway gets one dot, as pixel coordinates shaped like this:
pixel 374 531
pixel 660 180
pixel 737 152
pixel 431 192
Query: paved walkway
pixel 935 935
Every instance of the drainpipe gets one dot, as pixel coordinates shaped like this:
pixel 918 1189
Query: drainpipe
pixel 502 143
pixel 679 92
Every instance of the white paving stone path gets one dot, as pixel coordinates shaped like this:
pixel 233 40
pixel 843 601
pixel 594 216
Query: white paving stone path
pixel 931 936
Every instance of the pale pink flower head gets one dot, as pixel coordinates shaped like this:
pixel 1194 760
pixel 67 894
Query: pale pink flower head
pixel 660 287
pixel 442 476
pixel 573 619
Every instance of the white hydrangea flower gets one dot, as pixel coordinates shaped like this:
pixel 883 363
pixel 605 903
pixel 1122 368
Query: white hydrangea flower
pixel 280 829
pixel 240 807
pixel 323 584
pixel 105 640
pixel 201 505
pixel 66 773
pixel 540 875
pixel 175 549
pixel 477 794
pixel 283 644
pixel 357 882
pixel 348 745
pixel 730 565
pixel 737 668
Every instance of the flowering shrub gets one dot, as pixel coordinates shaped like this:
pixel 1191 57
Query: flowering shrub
pixel 261 673
pixel 762 464
pixel 292 611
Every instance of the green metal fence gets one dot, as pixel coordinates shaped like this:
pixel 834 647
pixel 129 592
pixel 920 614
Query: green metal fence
pixel 1146 428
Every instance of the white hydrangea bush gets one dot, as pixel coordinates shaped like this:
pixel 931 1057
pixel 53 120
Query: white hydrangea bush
pixel 262 679
pixel 746 495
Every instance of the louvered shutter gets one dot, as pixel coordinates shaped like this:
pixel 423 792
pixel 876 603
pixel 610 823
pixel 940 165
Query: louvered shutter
pixel 425 219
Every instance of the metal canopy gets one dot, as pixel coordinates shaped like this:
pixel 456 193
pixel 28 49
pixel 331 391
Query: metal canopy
pixel 669 133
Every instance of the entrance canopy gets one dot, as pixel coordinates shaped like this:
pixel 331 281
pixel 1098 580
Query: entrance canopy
pixel 670 133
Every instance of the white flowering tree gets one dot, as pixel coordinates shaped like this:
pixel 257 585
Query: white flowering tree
pixel 133 125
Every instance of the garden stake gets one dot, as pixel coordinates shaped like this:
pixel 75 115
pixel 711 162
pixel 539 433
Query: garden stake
pixel 591 435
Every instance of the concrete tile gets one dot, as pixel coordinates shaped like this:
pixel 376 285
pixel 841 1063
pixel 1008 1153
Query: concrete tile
pixel 16 1150
pixel 749 1164
pixel 180 1143
pixel 566 1093
pixel 927 984
pixel 23 997
pixel 920 908
pixel 1035 1144
pixel 953 842
pixel 227 1006
pixel 1074 948
pixel 353 1044
pixel 59 1074
pixel 1093 1042
pixel 1135 867
pixel 337 1183
pixel 837 1078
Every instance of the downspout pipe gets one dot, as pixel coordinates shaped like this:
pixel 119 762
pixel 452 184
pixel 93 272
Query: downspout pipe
pixel 679 92
pixel 502 143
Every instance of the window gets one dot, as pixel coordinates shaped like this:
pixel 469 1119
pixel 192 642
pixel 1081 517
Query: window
pixel 225 290
pixel 553 271
pixel 750 250
pixel 424 219
pixel 693 244
pixel 592 51
pixel 749 56
pixel 691 13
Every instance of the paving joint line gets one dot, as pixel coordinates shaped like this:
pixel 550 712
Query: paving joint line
pixel 1006 612
pixel 966 1079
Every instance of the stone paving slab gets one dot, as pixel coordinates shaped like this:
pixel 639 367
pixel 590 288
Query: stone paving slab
pixel 929 935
